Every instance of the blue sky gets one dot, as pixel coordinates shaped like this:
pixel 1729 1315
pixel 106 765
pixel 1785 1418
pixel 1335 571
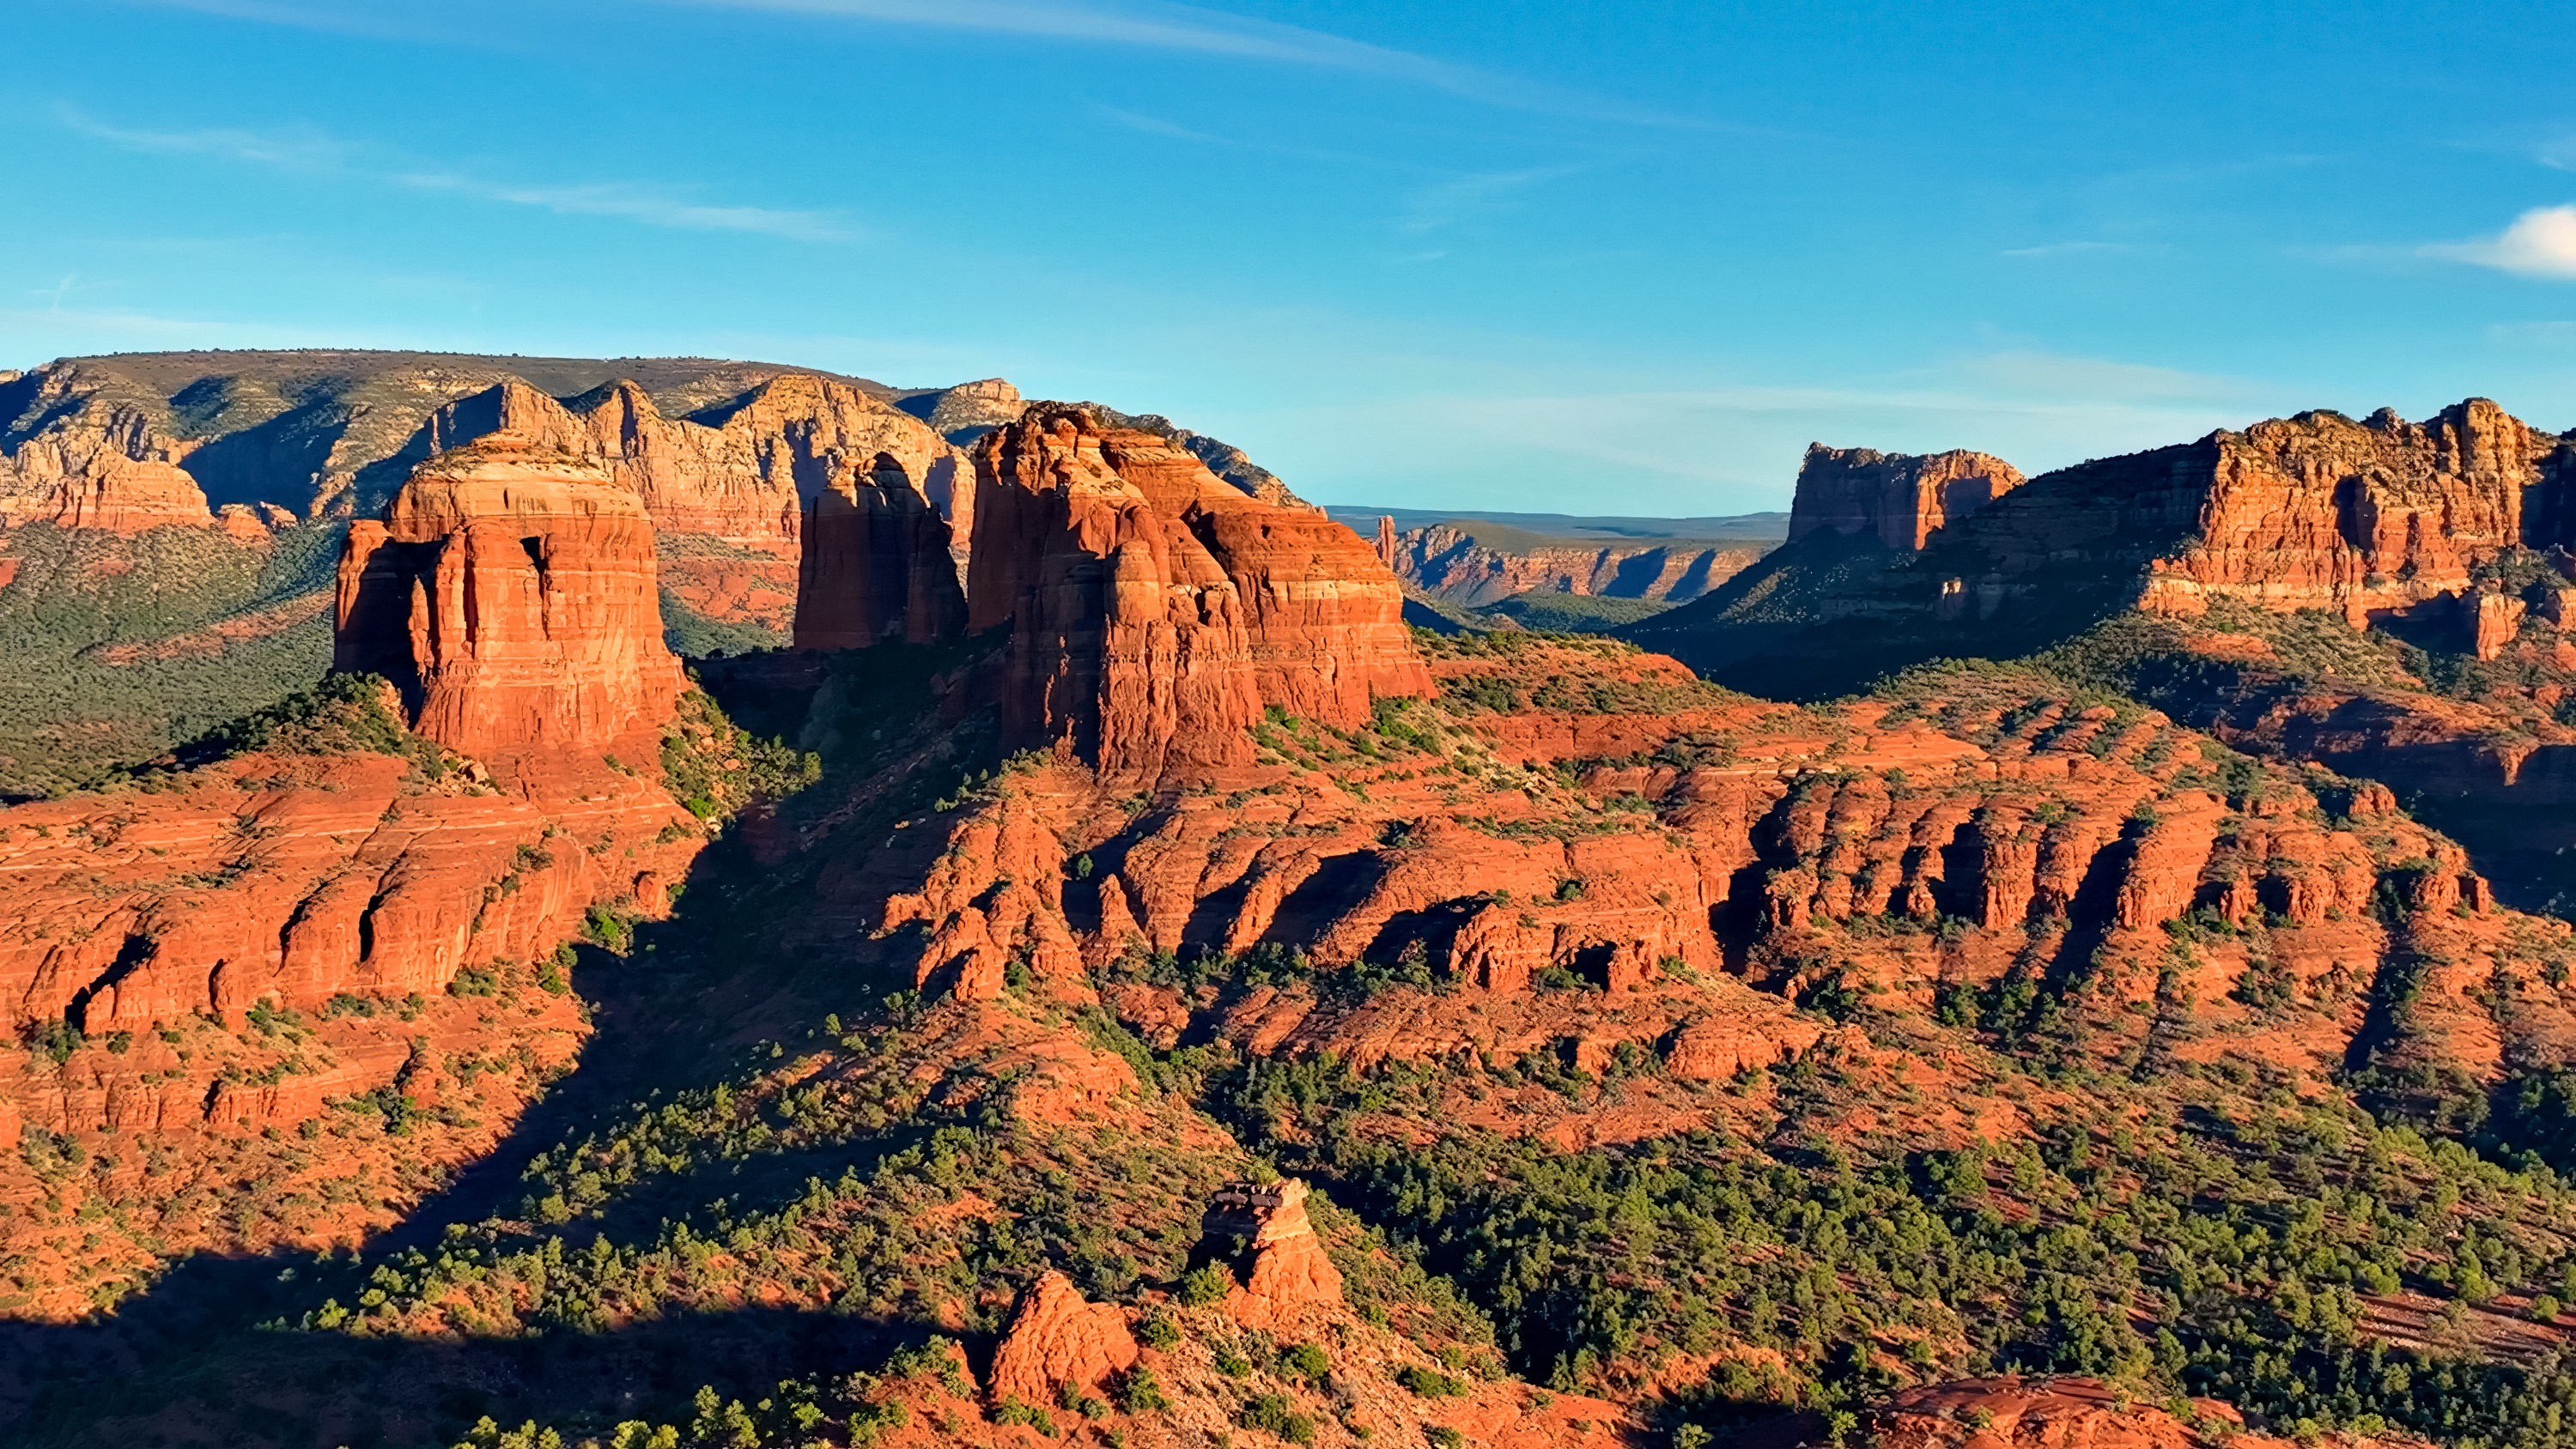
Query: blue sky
pixel 1569 257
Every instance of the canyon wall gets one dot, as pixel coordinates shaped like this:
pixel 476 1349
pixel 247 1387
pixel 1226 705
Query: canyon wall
pixel 1458 566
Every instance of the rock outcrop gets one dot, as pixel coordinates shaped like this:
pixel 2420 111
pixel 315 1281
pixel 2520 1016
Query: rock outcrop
pixel 510 594
pixel 875 565
pixel 1900 498
pixel 1056 1342
pixel 1156 610
pixel 2053 1413
pixel 1288 1269
pixel 736 496
pixel 2318 511
pixel 78 454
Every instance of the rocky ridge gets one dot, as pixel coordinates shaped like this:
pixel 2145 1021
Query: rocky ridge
pixel 1473 567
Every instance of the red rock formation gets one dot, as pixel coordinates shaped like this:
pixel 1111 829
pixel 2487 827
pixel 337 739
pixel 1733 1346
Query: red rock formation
pixel 290 881
pixel 2321 511
pixel 1460 567
pixel 796 451
pixel 1057 1341
pixel 875 565
pixel 2057 1413
pixel 1290 1271
pixel 510 594
pixel 1155 610
pixel 1386 544
pixel 1900 497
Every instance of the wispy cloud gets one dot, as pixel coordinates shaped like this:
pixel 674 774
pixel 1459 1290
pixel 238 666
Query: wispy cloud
pixel 2540 243
pixel 1151 25
pixel 1454 201
pixel 2067 249
pixel 311 152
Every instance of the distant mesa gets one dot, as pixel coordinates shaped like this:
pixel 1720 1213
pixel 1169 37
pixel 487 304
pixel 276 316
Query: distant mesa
pixel 1898 497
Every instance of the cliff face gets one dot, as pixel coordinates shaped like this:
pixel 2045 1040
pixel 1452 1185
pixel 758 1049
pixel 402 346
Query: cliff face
pixel 1155 609
pixel 74 453
pixel 875 564
pixel 735 495
pixel 1456 566
pixel 2318 511
pixel 1900 498
pixel 510 594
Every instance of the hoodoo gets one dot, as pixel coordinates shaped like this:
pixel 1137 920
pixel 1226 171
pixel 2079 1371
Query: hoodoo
pixel 1155 609
pixel 510 595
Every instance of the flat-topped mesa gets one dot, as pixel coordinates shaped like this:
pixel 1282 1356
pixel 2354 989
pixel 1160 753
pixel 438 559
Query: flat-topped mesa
pixel 1155 609
pixel 1900 497
pixel 510 595
pixel 875 564
pixel 2320 511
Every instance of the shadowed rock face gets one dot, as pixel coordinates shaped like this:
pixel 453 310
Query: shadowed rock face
pixel 1899 497
pixel 510 595
pixel 1155 609
pixel 875 565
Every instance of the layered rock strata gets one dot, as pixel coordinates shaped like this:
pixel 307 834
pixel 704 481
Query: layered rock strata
pixel 796 453
pixel 1900 498
pixel 78 455
pixel 1706 863
pixel 2318 511
pixel 1456 566
pixel 288 881
pixel 1156 610
pixel 510 594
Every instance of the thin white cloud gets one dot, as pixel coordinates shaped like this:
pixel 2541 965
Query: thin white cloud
pixel 2067 249
pixel 2540 243
pixel 1148 24
pixel 2032 374
pixel 311 152
pixel 1453 201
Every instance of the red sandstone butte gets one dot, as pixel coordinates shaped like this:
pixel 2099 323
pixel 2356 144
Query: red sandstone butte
pixel 875 565
pixel 1058 1341
pixel 1155 610
pixel 1900 497
pixel 510 594
pixel 736 497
